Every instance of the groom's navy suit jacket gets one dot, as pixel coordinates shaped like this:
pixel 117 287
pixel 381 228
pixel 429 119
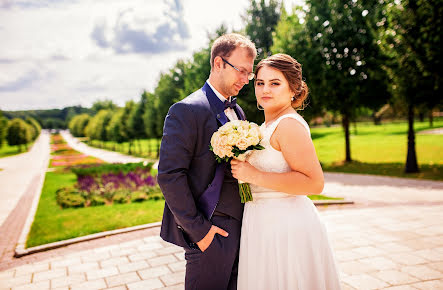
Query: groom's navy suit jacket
pixel 187 167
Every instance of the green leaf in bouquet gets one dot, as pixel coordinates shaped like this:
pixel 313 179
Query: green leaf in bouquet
pixel 258 147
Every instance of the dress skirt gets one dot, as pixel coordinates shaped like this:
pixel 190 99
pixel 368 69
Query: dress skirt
pixel 284 245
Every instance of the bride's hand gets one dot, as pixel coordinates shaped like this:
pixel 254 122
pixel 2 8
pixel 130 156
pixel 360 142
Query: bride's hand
pixel 243 170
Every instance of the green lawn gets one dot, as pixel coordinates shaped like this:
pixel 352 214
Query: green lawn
pixel 52 223
pixel 7 150
pixel 324 197
pixel 147 148
pixel 380 149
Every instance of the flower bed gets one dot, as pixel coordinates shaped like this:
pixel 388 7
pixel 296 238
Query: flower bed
pixel 104 184
pixel 64 156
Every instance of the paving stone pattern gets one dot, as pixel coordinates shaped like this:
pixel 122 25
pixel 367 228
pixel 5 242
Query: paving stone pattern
pixel 376 248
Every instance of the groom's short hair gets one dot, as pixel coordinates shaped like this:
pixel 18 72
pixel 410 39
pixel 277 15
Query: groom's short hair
pixel 227 43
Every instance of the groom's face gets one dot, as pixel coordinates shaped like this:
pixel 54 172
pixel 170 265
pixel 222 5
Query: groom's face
pixel 233 79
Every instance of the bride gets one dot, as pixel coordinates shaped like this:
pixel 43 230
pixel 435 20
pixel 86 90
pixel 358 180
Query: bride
pixel 284 244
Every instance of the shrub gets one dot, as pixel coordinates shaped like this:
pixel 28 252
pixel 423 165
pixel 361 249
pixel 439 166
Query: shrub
pixel 120 198
pixel 138 196
pixel 116 168
pixel 69 197
pixel 156 196
pixel 97 200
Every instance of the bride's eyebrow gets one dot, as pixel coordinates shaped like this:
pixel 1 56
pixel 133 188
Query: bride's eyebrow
pixel 269 80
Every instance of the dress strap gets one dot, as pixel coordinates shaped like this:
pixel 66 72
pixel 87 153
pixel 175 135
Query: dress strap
pixel 295 116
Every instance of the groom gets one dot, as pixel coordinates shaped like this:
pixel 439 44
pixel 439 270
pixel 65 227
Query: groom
pixel 203 212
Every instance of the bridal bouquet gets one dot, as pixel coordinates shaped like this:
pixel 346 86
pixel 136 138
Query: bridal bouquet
pixel 236 139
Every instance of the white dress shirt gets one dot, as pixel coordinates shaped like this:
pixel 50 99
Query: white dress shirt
pixel 230 113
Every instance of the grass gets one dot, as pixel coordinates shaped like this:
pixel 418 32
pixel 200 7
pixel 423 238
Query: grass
pixel 147 148
pixel 324 197
pixel 7 150
pixel 377 150
pixel 380 150
pixel 431 172
pixel 52 223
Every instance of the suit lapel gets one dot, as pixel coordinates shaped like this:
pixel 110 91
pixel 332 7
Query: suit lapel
pixel 239 112
pixel 217 107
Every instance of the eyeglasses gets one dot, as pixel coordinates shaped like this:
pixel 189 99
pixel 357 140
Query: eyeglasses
pixel 250 75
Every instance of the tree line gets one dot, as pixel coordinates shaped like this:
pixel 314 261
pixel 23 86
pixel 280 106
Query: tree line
pixel 357 56
pixel 18 132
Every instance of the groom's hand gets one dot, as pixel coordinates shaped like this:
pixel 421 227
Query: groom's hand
pixel 204 243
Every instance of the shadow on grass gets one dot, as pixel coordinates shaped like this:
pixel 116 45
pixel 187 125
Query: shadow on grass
pixel 316 135
pixel 427 171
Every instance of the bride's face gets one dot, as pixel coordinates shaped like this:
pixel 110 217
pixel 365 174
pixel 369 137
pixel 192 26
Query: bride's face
pixel 272 89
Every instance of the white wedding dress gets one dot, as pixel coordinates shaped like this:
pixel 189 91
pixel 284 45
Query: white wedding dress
pixel 284 244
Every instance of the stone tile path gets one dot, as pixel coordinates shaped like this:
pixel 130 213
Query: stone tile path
pixel 376 247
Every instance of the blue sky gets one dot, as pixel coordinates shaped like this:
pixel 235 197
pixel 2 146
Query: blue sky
pixel 58 53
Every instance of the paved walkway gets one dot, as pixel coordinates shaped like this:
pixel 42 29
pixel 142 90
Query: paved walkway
pixel 19 171
pixel 105 155
pixel 437 131
pixel 391 238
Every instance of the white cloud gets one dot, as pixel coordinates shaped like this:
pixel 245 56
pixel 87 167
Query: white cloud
pixel 61 53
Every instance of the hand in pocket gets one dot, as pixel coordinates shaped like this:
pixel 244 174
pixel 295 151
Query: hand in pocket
pixel 204 243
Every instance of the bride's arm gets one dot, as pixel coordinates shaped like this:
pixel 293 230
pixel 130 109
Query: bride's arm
pixel 306 176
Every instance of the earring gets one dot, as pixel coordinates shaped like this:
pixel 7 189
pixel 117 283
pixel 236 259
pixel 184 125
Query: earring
pixel 293 98
pixel 259 107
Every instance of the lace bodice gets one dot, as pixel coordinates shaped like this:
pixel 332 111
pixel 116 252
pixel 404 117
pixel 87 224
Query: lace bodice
pixel 270 159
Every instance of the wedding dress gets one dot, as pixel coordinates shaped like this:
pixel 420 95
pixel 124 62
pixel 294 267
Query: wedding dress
pixel 284 244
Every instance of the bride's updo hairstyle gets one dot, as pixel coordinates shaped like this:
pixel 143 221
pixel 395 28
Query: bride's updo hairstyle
pixel 291 69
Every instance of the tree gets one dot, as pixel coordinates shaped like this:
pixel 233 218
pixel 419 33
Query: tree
pixel 116 129
pixel 150 116
pixel 103 105
pixel 96 128
pixel 291 37
pixel 135 120
pixel 3 129
pixel 19 133
pixel 353 78
pixel 78 124
pixel 35 127
pixel 196 71
pixel 127 109
pixel 261 20
pixel 170 89
pixel 410 35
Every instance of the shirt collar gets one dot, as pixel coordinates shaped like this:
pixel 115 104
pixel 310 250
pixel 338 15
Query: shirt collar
pixel 220 96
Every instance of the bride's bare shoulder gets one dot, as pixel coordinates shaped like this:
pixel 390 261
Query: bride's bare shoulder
pixel 293 125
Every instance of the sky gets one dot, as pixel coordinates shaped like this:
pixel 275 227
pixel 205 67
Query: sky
pixel 59 53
